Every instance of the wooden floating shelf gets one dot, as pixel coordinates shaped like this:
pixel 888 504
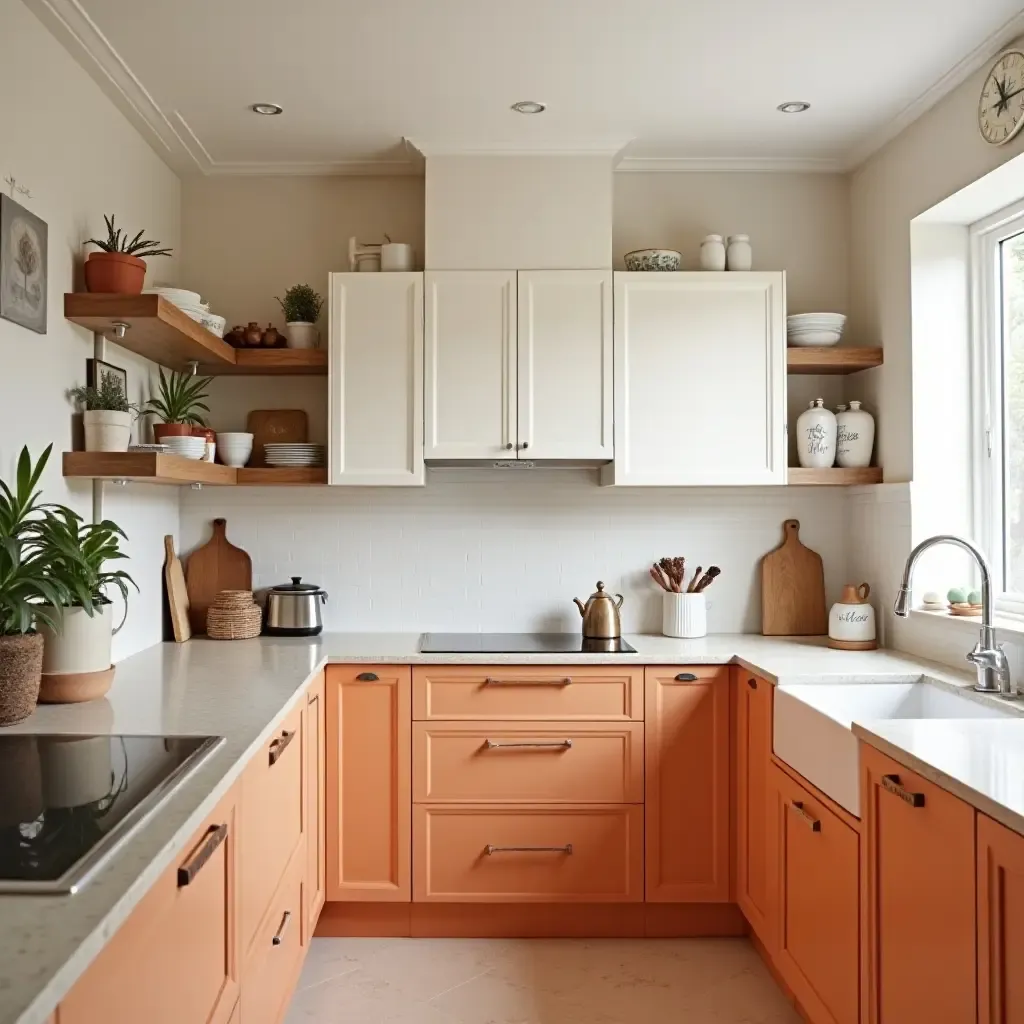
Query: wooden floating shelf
pixel 263 476
pixel 158 330
pixel 156 468
pixel 834 477
pixel 832 360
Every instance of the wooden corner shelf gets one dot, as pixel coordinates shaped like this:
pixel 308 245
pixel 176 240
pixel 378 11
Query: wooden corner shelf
pixel 271 476
pixel 147 467
pixel 158 330
pixel 834 477
pixel 831 359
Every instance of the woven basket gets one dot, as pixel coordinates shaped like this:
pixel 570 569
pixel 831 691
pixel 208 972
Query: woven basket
pixel 234 616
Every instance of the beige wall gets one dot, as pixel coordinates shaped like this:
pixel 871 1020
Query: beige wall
pixel 79 156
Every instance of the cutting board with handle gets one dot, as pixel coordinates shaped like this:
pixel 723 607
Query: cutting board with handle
pixel 217 565
pixel 793 588
pixel 284 426
pixel 177 593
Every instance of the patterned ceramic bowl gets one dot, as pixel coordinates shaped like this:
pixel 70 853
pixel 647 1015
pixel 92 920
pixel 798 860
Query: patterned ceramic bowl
pixel 652 259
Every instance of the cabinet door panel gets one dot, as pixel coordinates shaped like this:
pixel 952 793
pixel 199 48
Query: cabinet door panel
pixel 316 868
pixel 565 364
pixel 470 364
pixel 369 738
pixel 376 379
pixel 687 784
pixel 716 342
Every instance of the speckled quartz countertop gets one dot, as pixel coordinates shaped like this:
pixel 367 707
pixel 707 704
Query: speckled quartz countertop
pixel 240 690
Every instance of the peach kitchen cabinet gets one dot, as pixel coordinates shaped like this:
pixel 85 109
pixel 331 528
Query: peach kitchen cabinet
pixel 1000 923
pixel 375 379
pixel 815 862
pixel 920 904
pixel 687 779
pixel 518 364
pixel 369 806
pixel 725 330
pixel 315 805
pixel 753 758
pixel 174 961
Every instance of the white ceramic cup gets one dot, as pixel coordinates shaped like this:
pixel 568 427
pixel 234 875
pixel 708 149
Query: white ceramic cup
pixel 684 615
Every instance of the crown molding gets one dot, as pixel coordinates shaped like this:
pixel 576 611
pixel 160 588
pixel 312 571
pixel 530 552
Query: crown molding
pixel 345 168
pixel 738 164
pixel 611 148
pixel 954 77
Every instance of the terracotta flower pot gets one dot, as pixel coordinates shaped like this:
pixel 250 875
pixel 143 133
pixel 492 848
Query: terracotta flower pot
pixel 21 668
pixel 115 272
pixel 162 430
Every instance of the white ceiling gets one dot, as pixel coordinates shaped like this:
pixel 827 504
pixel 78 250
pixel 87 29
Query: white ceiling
pixel 691 80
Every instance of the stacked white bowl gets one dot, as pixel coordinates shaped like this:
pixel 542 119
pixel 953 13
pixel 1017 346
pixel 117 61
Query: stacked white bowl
pixel 804 329
pixel 191 304
pixel 186 446
pixel 234 448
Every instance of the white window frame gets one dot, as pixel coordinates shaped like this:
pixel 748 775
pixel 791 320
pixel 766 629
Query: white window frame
pixel 986 237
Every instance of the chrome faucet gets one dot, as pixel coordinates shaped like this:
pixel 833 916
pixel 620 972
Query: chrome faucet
pixel 987 657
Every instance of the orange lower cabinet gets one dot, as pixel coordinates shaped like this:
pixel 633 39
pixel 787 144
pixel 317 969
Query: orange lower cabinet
pixel 174 960
pixel 687 784
pixel 815 859
pixel 369 805
pixel 920 902
pixel 314 826
pixel 1000 923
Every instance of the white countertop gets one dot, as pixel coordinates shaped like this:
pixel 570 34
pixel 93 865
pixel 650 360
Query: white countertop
pixel 240 689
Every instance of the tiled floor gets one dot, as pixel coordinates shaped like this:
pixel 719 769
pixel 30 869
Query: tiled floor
pixel 537 981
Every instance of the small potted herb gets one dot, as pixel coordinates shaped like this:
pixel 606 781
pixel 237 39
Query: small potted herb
pixel 301 307
pixel 179 402
pixel 106 414
pixel 119 267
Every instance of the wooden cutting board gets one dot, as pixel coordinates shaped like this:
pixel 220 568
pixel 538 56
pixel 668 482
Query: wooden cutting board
pixel 792 588
pixel 275 425
pixel 218 565
pixel 177 593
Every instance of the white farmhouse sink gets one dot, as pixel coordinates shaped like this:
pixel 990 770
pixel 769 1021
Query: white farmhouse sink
pixel 812 726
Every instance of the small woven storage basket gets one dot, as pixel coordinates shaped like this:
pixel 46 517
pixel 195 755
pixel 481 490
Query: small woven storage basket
pixel 234 616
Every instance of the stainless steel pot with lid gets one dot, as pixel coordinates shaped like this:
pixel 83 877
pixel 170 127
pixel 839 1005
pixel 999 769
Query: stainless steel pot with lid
pixel 293 609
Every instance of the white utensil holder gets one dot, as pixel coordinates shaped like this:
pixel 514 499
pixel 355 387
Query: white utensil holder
pixel 684 615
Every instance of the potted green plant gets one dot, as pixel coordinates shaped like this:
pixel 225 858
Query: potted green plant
pixel 76 658
pixel 179 403
pixel 33 590
pixel 106 414
pixel 301 306
pixel 119 267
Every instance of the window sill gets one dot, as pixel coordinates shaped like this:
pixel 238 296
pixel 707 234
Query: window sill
pixel 1009 628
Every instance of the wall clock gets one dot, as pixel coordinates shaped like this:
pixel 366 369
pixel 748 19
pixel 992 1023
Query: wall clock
pixel 1001 107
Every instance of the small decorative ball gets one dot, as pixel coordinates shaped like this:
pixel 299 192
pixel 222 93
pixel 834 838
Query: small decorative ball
pixel 932 597
pixel 974 597
pixel 956 596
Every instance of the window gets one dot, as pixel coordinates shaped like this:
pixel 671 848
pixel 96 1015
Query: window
pixel 998 388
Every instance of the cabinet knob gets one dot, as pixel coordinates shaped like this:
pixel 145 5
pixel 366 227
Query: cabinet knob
pixel 752 683
pixel 509 446
pixel 525 445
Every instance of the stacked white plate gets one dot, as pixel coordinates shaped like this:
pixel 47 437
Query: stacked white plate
pixel 188 447
pixel 295 454
pixel 803 329
pixel 191 304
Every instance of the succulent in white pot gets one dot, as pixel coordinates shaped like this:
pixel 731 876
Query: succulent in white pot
pixel 301 306
pixel 106 414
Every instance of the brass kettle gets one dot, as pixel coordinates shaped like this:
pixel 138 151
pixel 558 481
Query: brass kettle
pixel 601 615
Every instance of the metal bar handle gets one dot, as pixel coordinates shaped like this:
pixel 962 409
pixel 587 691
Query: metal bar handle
pixel 490 681
pixel 797 806
pixel 489 849
pixel 531 745
pixel 215 835
pixel 892 784
pixel 278 938
pixel 277 748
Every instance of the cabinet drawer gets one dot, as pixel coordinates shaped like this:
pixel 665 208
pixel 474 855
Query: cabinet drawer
pixel 272 801
pixel 536 762
pixel 528 854
pixel 548 692
pixel 276 957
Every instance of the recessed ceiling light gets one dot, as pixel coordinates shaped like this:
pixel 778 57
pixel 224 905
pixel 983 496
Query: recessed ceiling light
pixel 529 107
pixel 266 108
pixel 793 107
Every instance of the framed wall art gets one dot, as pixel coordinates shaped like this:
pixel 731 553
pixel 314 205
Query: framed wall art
pixel 23 270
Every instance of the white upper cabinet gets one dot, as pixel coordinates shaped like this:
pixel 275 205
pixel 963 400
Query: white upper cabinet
pixel 700 379
pixel 519 364
pixel 376 379
pixel 565 364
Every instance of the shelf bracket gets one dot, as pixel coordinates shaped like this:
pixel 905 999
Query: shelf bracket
pixel 197 486
pixel 120 329
pixel 193 365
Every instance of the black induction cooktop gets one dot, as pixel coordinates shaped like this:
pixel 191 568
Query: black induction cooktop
pixel 520 643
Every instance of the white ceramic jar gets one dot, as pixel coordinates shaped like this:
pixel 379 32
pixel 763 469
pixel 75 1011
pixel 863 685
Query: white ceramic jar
pixel 739 255
pixel 851 622
pixel 856 436
pixel 816 436
pixel 684 615
pixel 712 253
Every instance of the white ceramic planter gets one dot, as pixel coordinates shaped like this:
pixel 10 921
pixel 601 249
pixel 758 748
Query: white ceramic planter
pixel 395 256
pixel 76 771
pixel 855 437
pixel 816 436
pixel 302 334
pixel 107 430
pixel 684 615
pixel 83 645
